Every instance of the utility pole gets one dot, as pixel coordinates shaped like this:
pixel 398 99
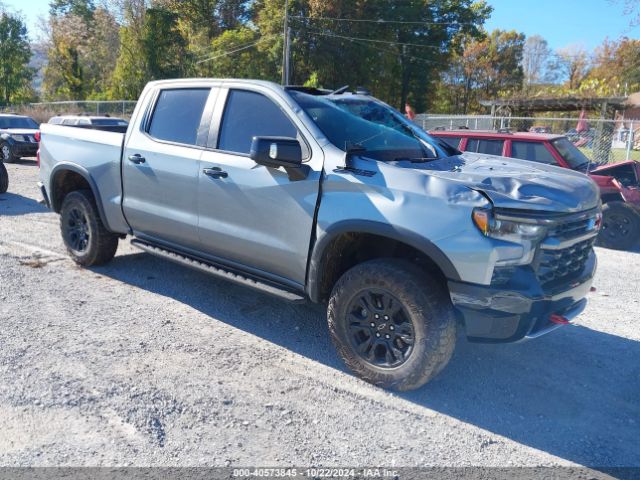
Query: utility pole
pixel 286 49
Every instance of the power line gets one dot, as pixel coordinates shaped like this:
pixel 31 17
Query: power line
pixel 380 21
pixel 391 52
pixel 371 40
pixel 231 52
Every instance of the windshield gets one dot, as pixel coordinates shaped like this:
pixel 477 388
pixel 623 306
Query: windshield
pixel 570 153
pixel 371 126
pixel 18 122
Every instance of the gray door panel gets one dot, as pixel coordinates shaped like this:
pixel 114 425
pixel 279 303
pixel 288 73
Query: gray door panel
pixel 160 194
pixel 160 191
pixel 256 216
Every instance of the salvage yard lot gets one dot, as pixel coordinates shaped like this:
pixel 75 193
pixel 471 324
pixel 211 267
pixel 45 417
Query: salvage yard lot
pixel 143 362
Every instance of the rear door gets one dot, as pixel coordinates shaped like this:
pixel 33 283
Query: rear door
pixel 160 166
pixel 253 216
pixel 532 151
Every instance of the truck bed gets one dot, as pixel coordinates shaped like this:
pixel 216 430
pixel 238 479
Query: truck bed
pixel 95 152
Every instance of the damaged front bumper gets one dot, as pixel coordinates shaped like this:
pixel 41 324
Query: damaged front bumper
pixel 520 307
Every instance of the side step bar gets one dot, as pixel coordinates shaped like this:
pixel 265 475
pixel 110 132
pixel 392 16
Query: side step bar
pixel 218 271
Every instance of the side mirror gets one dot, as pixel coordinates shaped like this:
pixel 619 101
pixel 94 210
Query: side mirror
pixel 275 152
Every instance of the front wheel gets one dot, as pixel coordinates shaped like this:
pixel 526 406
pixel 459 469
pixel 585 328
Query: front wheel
pixel 85 236
pixel 7 153
pixel 392 323
pixel 620 226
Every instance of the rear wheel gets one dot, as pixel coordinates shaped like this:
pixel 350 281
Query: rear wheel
pixel 7 153
pixel 4 178
pixel 620 226
pixel 392 323
pixel 85 236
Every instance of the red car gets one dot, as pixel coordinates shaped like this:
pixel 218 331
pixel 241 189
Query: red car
pixel 619 183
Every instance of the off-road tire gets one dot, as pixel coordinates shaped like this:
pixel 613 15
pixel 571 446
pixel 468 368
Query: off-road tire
pixel 4 178
pixel 620 226
pixel 6 153
pixel 79 210
pixel 426 305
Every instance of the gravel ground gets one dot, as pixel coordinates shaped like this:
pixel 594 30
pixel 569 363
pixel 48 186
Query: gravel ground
pixel 143 362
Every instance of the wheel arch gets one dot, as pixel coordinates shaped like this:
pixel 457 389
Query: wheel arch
pixel 611 197
pixel 348 243
pixel 69 177
pixel 5 137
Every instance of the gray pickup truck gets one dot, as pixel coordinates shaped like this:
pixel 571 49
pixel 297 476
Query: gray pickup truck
pixel 336 198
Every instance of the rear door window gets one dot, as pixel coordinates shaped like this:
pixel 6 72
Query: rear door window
pixel 177 115
pixel 533 151
pixel 488 147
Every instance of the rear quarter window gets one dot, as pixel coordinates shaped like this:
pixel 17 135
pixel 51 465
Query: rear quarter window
pixel 488 147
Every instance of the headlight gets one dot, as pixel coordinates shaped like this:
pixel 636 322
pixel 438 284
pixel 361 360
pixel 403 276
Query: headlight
pixel 513 230
pixel 18 138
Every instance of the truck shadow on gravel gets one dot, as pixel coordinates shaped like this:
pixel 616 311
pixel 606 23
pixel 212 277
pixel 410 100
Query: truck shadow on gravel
pixel 12 204
pixel 574 394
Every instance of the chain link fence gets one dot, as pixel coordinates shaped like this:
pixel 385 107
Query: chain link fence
pixel 603 141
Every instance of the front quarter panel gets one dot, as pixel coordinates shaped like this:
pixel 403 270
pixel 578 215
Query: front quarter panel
pixel 411 206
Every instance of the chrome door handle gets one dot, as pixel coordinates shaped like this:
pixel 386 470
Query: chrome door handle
pixel 137 159
pixel 215 172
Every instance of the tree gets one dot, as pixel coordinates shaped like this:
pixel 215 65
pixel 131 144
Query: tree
pixel 486 68
pixel 83 47
pixel 571 65
pixel 396 49
pixel 15 53
pixel 100 54
pixel 631 8
pixel 152 48
pixel 535 59
pixel 617 65
pixel 80 8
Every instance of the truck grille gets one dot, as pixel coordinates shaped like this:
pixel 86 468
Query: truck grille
pixel 572 229
pixel 557 265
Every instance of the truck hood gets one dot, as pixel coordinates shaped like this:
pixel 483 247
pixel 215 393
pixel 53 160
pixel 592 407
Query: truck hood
pixel 516 184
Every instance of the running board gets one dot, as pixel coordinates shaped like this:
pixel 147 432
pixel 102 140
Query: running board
pixel 218 271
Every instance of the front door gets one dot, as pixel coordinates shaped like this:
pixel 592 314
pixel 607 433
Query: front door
pixel 252 215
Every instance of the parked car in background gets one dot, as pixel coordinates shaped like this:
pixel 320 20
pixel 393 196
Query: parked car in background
pixel 583 138
pixel 540 129
pixel 337 198
pixel 17 137
pixel 4 178
pixel 106 123
pixel 619 183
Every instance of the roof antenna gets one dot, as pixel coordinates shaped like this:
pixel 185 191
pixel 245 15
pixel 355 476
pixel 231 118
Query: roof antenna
pixel 340 90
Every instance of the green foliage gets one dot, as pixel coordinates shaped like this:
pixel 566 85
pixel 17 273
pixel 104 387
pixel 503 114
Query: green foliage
pixel 15 53
pixel 80 8
pixel 485 68
pixel 163 47
pixel 313 81
pixel 154 50
pixel 82 54
pixel 432 54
